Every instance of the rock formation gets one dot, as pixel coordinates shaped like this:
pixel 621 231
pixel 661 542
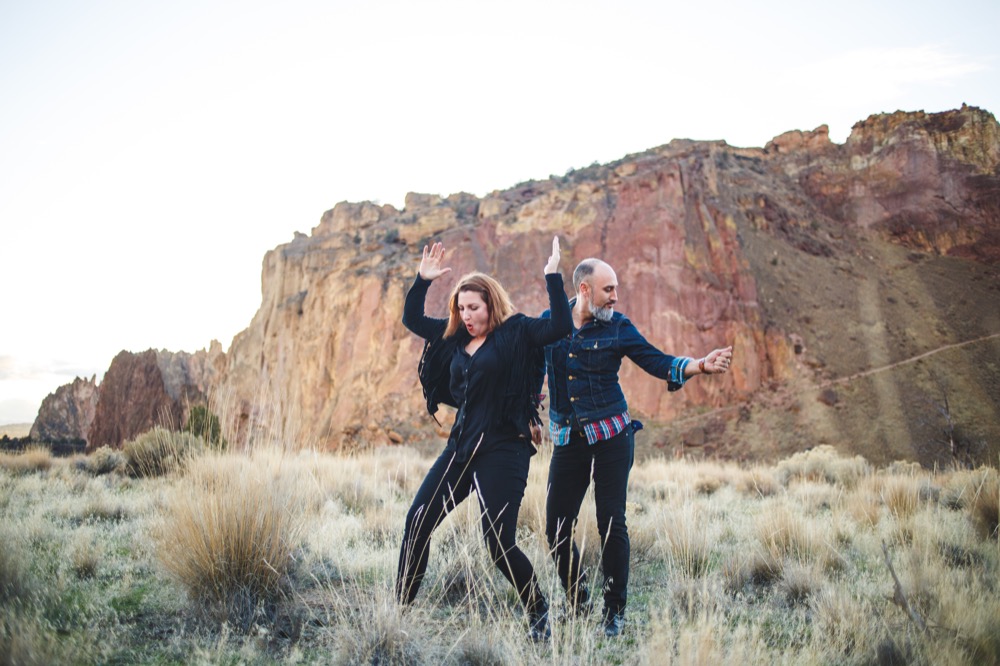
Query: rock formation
pixel 140 391
pixel 818 261
pixel 858 283
pixel 66 414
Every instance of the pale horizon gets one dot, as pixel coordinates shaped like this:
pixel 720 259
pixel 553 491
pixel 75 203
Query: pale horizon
pixel 151 155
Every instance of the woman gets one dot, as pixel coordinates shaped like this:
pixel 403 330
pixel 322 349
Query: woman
pixel 481 361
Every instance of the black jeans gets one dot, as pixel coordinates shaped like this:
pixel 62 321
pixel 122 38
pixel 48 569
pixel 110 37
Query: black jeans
pixel 499 477
pixel 610 462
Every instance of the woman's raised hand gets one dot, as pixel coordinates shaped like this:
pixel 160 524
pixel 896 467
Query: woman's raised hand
pixel 430 265
pixel 552 266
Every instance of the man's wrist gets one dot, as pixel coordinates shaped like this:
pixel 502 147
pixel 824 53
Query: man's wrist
pixel 701 366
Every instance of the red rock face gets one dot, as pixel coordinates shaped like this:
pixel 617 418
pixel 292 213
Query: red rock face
pixel 133 399
pixel 152 388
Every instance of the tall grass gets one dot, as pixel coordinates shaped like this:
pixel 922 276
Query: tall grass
pixel 31 460
pixel 292 558
pixel 229 531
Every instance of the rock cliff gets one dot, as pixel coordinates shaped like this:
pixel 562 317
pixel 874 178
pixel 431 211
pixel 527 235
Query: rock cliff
pixel 67 414
pixel 818 261
pixel 858 283
pixel 140 391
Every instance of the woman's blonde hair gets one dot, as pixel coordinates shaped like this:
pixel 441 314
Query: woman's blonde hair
pixel 497 301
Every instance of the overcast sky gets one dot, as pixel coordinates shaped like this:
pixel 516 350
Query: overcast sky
pixel 152 152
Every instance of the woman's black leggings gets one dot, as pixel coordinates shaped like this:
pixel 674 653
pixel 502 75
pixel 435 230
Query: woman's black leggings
pixel 499 477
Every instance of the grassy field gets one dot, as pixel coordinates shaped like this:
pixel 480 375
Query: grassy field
pixel 172 553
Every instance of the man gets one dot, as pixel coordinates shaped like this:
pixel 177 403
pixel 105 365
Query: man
pixel 593 432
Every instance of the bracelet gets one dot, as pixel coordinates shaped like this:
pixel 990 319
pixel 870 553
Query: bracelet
pixel 701 366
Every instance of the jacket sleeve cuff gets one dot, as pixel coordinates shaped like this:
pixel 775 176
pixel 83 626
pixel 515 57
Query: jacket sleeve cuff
pixel 677 368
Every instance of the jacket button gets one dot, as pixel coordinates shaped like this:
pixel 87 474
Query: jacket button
pixel 572 399
pixel 570 378
pixel 572 355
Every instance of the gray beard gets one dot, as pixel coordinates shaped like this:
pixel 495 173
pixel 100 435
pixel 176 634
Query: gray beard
pixel 601 314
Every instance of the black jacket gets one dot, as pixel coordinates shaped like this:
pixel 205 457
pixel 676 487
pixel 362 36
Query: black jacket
pixel 518 340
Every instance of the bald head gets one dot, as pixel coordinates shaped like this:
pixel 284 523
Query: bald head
pixel 596 289
pixel 585 269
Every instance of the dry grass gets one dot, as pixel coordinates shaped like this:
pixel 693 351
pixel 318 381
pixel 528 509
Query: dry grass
pixel 14 582
pixel 86 555
pixel 984 505
pixel 229 533
pixel 901 495
pixel 783 535
pixel 686 542
pixel 297 554
pixel 31 460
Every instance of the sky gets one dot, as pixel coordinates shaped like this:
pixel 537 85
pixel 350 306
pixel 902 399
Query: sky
pixel 152 152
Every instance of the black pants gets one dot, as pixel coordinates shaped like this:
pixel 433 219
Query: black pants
pixel 499 477
pixel 609 462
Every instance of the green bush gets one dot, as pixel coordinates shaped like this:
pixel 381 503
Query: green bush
pixel 203 423
pixel 160 451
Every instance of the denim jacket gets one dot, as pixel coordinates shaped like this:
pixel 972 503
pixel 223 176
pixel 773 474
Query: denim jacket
pixel 583 369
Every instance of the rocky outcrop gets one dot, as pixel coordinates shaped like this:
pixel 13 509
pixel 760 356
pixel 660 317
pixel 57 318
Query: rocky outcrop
pixel 857 282
pixel 927 181
pixel 781 251
pixel 151 388
pixel 67 414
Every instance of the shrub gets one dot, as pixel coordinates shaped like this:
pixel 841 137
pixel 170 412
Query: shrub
pixel 758 482
pixel 823 463
pixel 229 534
pixel 160 451
pixel 103 461
pixel 205 424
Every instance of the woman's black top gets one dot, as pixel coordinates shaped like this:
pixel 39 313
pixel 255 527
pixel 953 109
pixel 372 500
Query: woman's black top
pixel 492 389
pixel 470 381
